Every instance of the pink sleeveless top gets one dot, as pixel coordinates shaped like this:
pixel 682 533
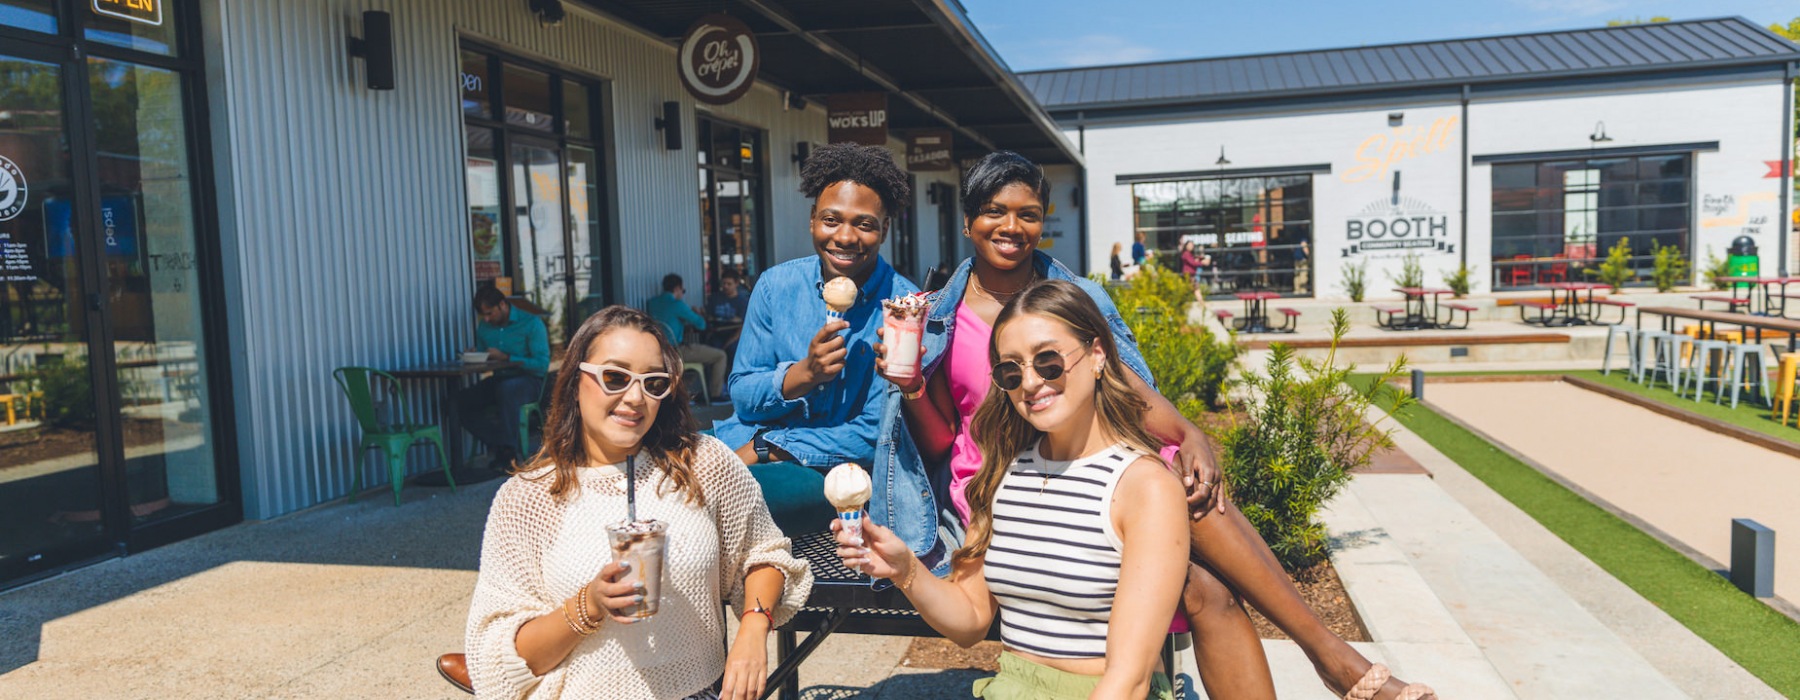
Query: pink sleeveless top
pixel 969 376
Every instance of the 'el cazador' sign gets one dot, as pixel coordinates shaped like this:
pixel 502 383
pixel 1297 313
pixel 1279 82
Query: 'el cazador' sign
pixel 718 59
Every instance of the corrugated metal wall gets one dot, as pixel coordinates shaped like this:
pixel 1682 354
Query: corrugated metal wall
pixel 342 209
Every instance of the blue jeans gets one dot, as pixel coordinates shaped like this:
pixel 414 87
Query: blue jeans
pixel 490 409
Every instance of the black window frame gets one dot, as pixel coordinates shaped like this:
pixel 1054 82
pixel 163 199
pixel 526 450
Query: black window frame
pixel 758 174
pixel 1548 249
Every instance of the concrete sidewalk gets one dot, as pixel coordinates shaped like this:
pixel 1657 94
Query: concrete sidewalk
pixel 356 600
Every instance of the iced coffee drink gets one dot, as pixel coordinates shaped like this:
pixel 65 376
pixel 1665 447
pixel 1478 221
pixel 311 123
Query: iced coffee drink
pixel 641 543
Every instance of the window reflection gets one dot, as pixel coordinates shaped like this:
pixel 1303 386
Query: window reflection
pixel 1555 220
pixel 1249 233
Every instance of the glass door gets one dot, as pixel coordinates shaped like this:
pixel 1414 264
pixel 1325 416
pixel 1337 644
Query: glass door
pixel 50 476
pixel 537 203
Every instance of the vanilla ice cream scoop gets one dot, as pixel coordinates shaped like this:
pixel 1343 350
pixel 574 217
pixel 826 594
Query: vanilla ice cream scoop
pixel 840 294
pixel 847 487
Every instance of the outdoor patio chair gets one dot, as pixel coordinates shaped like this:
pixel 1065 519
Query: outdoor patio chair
pixel 393 440
pixel 1701 366
pixel 534 408
pixel 1635 365
pixel 1664 354
pixel 1740 357
pixel 1784 387
pixel 699 370
pixel 1520 274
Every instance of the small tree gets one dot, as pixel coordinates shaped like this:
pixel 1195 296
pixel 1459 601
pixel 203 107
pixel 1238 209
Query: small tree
pixel 1412 273
pixel 1356 279
pixel 1458 281
pixel 1669 269
pixel 1303 433
pixel 1616 270
pixel 1717 269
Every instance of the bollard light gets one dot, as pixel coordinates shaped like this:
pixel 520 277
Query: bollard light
pixel 1753 557
pixel 1418 385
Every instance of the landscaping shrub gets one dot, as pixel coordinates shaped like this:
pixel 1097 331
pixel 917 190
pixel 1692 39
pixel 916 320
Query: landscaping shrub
pixel 1458 281
pixel 1669 269
pixel 1302 434
pixel 1191 364
pixel 1356 277
pixel 1616 270
pixel 1717 269
pixel 68 393
pixel 1412 273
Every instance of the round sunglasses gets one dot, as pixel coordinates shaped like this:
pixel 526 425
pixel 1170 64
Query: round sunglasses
pixel 1048 365
pixel 615 380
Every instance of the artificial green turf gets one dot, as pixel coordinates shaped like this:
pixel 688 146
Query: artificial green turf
pixel 1763 641
pixel 1747 415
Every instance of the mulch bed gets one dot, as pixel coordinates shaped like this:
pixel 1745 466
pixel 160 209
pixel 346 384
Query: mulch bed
pixel 23 447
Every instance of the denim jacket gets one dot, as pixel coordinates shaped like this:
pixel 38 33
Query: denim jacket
pixel 853 418
pixel 896 448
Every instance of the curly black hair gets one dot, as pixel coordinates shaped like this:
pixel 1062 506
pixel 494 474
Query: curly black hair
pixel 870 166
pixel 993 173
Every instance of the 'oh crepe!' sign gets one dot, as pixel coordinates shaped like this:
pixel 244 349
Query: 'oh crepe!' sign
pixel 718 59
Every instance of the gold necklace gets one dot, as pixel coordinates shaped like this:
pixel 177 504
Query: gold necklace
pixel 1009 295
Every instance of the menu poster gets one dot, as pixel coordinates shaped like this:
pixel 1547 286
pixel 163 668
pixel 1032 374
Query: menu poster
pixel 18 261
pixel 484 235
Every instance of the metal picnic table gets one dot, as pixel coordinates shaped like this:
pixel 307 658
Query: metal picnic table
pixel 1569 303
pixel 1256 311
pixel 1416 317
pixel 1769 305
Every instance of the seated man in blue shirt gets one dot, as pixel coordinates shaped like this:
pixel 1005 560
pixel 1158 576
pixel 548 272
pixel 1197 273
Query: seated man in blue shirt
pixel 490 409
pixel 803 389
pixel 676 316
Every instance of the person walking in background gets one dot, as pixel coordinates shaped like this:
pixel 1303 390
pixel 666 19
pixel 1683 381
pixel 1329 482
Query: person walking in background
pixel 1118 266
pixel 1138 251
pixel 676 316
pixel 490 409
pixel 551 618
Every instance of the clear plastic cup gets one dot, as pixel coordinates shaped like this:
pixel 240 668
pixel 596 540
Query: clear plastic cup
pixel 641 544
pixel 903 329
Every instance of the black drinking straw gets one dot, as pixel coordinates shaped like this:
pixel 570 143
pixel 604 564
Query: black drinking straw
pixel 631 488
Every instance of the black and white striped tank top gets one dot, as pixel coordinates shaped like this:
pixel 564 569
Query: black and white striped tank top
pixel 1053 560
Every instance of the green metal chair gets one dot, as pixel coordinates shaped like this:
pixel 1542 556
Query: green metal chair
pixel 534 408
pixel 393 440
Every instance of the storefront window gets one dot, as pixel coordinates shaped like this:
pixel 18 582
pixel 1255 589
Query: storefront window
pixel 1249 233
pixel 35 15
pixel 533 186
pixel 144 25
pixel 1553 220
pixel 730 192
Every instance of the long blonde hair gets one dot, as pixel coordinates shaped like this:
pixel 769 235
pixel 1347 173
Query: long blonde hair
pixel 1002 433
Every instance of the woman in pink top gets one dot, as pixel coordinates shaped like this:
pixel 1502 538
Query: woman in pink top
pixel 1003 200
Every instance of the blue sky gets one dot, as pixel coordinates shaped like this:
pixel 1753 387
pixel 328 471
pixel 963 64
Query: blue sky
pixel 1040 34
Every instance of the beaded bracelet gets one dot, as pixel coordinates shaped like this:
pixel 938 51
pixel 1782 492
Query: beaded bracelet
pixel 587 623
pixel 573 626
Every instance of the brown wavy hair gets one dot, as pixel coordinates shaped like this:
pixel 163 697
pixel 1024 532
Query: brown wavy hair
pixel 1002 432
pixel 672 439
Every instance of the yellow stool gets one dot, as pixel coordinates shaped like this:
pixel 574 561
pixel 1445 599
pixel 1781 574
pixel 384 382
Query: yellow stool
pixel 12 415
pixel 1729 336
pixel 1784 387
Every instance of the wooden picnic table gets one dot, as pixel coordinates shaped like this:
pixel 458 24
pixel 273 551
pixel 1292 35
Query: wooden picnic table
pixel 1567 298
pixel 1415 306
pixel 1711 319
pixel 1256 311
pixel 1770 307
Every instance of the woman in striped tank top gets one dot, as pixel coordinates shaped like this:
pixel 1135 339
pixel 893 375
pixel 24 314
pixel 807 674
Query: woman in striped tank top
pixel 1078 533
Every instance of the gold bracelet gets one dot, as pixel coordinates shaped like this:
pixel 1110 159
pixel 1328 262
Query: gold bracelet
pixel 589 624
pixel 912 395
pixel 912 571
pixel 573 626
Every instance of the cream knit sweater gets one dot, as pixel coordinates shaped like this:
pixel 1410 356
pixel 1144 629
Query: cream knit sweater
pixel 538 551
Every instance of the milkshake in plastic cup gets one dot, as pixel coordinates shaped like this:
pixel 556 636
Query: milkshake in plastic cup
pixel 641 543
pixel 839 295
pixel 847 487
pixel 903 324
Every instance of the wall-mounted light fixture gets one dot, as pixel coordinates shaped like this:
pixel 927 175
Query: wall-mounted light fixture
pixel 1075 197
pixel 549 12
pixel 802 149
pixel 1396 118
pixel 670 125
pixel 792 100
pixel 1396 200
pixel 376 48
pixel 1222 161
pixel 1599 135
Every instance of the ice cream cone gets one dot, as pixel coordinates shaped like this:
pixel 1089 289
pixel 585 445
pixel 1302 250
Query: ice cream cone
pixel 852 521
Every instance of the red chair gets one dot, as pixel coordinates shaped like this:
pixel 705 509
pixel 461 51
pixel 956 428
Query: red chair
pixel 1558 271
pixel 1519 275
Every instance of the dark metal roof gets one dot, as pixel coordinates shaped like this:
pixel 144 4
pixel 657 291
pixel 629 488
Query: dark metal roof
pixel 938 70
pixel 1659 47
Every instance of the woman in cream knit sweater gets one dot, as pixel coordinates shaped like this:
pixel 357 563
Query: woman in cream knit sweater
pixel 549 616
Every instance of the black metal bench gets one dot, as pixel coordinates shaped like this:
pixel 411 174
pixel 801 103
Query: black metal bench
pixel 841 601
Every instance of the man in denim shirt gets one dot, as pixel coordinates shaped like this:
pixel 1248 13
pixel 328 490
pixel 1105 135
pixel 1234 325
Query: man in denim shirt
pixel 804 391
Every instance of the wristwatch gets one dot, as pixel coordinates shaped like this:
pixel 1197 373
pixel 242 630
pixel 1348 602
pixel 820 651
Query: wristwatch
pixel 762 448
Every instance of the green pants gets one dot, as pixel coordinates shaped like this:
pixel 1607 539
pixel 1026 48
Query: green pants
pixel 1020 679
